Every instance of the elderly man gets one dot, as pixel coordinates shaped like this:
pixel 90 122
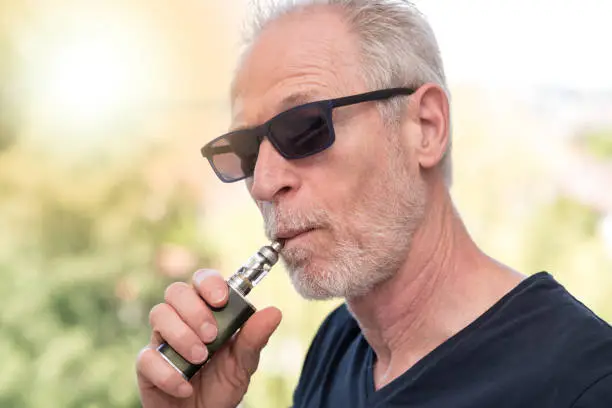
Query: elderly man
pixel 341 130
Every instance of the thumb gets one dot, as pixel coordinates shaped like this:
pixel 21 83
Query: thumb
pixel 253 337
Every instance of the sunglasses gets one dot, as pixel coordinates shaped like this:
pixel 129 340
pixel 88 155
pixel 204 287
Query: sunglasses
pixel 296 133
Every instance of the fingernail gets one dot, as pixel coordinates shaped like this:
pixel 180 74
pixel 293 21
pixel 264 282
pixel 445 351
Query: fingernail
pixel 198 353
pixel 217 295
pixel 202 274
pixel 208 332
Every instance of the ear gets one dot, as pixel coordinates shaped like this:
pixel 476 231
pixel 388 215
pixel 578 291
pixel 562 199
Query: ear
pixel 430 112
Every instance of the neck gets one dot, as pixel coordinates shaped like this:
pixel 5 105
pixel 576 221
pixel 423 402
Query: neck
pixel 445 283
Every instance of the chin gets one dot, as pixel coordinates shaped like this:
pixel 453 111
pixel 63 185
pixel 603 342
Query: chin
pixel 345 277
pixel 309 278
pixel 310 290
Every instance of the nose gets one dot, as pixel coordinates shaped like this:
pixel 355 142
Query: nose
pixel 274 176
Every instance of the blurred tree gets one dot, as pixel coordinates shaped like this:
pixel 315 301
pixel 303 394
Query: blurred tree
pixel 7 100
pixel 84 255
pixel 564 236
pixel 599 143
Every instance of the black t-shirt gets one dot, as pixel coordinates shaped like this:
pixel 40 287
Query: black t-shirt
pixel 536 347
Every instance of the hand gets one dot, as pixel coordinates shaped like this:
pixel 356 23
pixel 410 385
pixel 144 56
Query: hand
pixel 186 323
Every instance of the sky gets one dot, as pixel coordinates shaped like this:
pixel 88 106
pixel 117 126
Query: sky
pixel 87 62
pixel 525 43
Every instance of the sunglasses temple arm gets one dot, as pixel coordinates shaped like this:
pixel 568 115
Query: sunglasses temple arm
pixel 219 150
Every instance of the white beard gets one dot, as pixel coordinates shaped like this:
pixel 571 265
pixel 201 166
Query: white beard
pixel 363 254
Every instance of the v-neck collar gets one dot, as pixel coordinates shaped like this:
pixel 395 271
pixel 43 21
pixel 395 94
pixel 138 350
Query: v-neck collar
pixel 411 375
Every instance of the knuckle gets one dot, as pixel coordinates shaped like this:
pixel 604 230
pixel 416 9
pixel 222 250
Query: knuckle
pixel 169 380
pixel 174 290
pixel 184 335
pixel 193 311
pixel 141 354
pixel 155 313
pixel 140 359
pixel 143 362
pixel 215 292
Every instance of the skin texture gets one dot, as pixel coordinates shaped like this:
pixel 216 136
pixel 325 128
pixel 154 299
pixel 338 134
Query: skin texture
pixel 382 229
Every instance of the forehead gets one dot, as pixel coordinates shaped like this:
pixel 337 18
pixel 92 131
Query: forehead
pixel 303 56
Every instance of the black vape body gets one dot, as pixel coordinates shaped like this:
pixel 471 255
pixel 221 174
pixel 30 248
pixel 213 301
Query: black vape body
pixel 230 318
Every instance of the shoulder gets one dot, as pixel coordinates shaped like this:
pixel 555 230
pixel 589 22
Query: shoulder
pixel 543 304
pixel 598 394
pixel 573 343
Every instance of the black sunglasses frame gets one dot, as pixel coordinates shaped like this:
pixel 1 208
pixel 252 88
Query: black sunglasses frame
pixel 325 106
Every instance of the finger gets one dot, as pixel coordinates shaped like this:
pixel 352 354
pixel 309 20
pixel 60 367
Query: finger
pixel 253 337
pixel 211 286
pixel 192 310
pixel 165 321
pixel 153 370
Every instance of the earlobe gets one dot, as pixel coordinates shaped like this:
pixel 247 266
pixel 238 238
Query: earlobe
pixel 432 114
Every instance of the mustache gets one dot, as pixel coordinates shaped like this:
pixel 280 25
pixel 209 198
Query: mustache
pixel 281 220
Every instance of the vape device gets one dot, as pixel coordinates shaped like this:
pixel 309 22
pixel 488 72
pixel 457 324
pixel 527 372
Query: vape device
pixel 235 313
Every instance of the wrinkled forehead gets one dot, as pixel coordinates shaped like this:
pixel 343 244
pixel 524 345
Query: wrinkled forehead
pixel 296 59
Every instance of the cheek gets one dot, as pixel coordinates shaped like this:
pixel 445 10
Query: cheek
pixel 344 184
pixel 355 161
pixel 340 177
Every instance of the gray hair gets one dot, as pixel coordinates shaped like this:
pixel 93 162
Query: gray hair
pixel 398 47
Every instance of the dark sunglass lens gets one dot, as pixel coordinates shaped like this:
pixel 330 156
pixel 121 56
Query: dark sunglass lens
pixel 234 155
pixel 302 131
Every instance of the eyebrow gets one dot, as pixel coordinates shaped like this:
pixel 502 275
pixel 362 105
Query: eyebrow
pixel 295 99
pixel 288 102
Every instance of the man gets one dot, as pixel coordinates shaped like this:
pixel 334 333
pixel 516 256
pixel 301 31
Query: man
pixel 358 189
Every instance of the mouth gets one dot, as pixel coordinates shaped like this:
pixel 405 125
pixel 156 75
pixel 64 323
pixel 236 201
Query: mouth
pixel 289 235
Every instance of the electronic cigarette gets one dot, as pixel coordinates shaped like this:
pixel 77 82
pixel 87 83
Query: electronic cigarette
pixel 235 313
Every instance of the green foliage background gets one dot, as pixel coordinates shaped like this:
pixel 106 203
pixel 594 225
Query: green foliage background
pixel 82 251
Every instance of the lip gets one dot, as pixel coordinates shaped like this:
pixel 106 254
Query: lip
pixel 289 235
